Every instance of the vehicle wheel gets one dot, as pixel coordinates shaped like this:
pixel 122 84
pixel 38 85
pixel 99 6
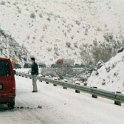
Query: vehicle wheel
pixel 11 105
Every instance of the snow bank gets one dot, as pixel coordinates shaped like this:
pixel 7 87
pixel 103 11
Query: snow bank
pixel 110 76
pixel 23 70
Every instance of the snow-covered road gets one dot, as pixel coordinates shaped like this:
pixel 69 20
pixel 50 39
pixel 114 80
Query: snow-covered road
pixel 59 106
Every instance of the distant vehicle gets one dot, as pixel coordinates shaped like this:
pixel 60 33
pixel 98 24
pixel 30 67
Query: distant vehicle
pixel 65 80
pixel 16 66
pixel 27 65
pixel 7 83
pixel 55 78
pixel 55 65
pixel 79 66
pixel 42 65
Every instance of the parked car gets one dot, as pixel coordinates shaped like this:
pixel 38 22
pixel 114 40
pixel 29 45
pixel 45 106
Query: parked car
pixel 42 65
pixel 17 66
pixel 27 65
pixel 7 83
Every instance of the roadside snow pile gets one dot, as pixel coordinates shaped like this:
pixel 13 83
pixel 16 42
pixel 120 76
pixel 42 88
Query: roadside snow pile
pixel 24 70
pixel 110 76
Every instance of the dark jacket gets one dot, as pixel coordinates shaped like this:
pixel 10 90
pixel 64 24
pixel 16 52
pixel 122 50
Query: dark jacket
pixel 34 69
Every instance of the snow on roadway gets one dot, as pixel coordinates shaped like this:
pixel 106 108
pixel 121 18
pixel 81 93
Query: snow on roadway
pixel 59 106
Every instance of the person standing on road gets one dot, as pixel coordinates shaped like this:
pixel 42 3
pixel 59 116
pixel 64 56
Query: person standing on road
pixel 34 73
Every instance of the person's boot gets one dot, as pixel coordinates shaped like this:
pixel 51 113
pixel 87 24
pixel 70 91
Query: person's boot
pixel 34 91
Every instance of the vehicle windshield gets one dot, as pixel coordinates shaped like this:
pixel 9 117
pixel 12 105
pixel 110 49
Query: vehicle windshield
pixel 4 68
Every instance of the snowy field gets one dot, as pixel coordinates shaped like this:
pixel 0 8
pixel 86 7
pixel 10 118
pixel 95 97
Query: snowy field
pixel 59 106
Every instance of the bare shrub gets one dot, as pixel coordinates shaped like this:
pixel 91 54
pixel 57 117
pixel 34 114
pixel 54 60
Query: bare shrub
pixel 77 22
pixel 72 37
pixel 86 54
pixel 2 3
pixel 68 44
pixel 102 52
pixel 32 15
pixel 40 15
pixel 19 11
pixel 92 54
pixel 49 49
pixel 75 45
pixel 48 19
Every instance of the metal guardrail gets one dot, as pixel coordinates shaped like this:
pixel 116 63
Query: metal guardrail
pixel 116 96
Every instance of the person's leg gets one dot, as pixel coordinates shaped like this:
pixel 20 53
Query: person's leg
pixel 34 81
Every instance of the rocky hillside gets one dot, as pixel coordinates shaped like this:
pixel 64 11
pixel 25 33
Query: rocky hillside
pixel 110 75
pixel 52 29
pixel 9 48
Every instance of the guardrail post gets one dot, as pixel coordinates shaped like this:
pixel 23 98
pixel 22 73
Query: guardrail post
pixel 30 77
pixel 117 102
pixel 54 84
pixel 39 79
pixel 77 91
pixel 93 95
pixel 85 84
pixel 64 87
pixel 47 82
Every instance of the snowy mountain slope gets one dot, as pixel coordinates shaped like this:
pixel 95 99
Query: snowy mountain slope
pixel 111 75
pixel 55 29
pixel 11 49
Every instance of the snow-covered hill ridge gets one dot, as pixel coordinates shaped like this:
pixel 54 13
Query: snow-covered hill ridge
pixel 111 75
pixel 9 48
pixel 52 29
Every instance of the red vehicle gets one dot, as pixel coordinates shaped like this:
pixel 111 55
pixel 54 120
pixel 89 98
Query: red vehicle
pixel 7 83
